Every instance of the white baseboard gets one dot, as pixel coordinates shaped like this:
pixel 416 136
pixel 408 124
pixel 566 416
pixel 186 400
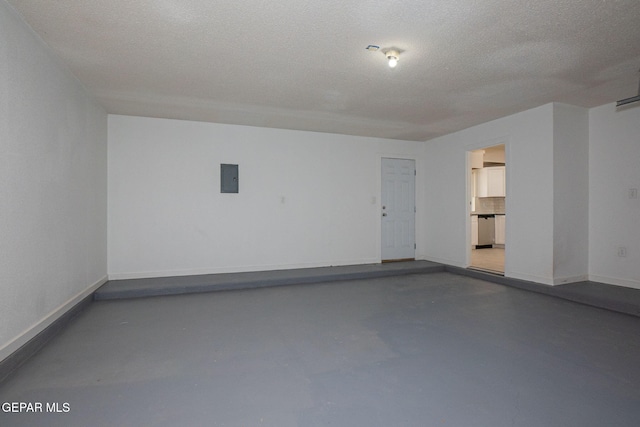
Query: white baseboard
pixel 237 269
pixel 444 261
pixel 529 278
pixel 34 330
pixel 570 279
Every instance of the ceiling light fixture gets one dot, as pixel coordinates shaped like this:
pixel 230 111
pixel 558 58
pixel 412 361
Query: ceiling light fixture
pixel 392 56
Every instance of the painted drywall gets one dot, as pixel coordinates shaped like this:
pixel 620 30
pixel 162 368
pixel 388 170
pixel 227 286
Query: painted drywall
pixel 445 214
pixel 614 218
pixel 528 139
pixel 52 186
pixel 570 193
pixel 305 198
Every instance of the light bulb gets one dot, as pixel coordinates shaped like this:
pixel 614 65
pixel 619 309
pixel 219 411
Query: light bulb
pixel 392 55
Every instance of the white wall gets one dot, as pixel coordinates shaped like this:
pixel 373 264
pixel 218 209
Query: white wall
pixel 52 186
pixel 528 139
pixel 570 193
pixel 306 198
pixel 614 218
pixel 445 213
pixel 167 216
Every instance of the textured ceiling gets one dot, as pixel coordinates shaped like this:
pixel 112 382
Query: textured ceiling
pixel 299 64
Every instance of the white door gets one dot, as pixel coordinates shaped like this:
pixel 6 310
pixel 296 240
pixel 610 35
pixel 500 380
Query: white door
pixel 398 209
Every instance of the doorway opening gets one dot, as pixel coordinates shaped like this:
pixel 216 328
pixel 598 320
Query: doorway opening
pixel 398 206
pixel 488 214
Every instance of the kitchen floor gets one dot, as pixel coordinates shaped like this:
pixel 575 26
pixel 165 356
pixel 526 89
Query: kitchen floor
pixel 490 259
pixel 420 350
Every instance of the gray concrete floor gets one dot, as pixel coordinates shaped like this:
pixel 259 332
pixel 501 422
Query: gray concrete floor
pixel 420 350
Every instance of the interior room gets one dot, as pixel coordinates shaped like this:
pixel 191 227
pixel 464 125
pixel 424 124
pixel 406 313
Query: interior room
pixel 230 213
pixel 488 216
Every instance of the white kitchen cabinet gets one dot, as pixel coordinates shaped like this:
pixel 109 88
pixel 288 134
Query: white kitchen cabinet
pixel 477 159
pixel 500 229
pixel 491 182
pixel 474 230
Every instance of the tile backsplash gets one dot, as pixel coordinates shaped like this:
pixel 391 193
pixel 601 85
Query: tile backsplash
pixel 489 205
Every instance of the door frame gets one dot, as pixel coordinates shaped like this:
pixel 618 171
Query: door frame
pixel 377 200
pixel 469 191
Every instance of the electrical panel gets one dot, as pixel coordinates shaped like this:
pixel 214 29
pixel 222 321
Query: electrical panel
pixel 229 178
